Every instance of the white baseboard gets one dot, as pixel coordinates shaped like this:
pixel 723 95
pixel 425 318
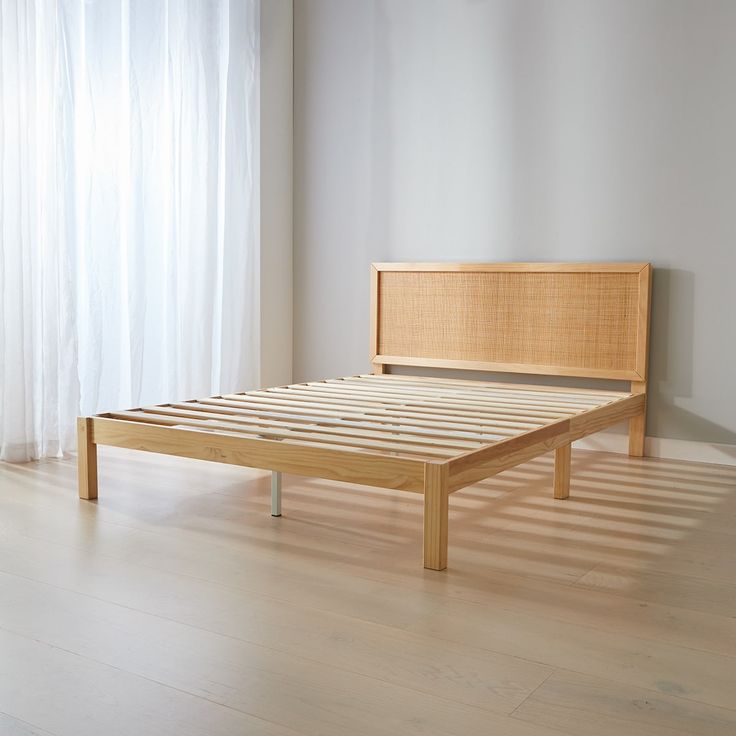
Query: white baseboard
pixel 702 452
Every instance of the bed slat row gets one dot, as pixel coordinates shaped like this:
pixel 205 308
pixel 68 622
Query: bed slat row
pixel 425 419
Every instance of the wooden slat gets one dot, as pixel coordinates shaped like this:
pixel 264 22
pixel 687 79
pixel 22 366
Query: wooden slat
pixel 286 396
pixel 477 417
pixel 325 415
pixel 398 420
pixel 478 392
pixel 371 429
pixel 363 398
pixel 349 466
pixel 253 425
pixel 465 397
pixel 491 394
pixel 482 395
pixel 342 441
pixel 485 396
pixel 533 388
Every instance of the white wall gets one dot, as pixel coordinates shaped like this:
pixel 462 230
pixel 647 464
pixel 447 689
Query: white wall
pixel 523 130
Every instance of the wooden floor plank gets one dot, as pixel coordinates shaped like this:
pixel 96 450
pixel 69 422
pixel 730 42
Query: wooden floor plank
pixel 691 593
pixel 66 693
pixel 10 726
pixel 269 656
pixel 579 705
pixel 552 615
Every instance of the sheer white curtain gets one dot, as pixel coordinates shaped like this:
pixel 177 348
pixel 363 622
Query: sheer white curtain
pixel 129 206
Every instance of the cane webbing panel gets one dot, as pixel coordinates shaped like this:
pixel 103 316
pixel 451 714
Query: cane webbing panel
pixel 568 323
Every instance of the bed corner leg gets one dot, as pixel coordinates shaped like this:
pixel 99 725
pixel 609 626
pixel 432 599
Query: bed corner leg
pixel 637 427
pixel 86 460
pixel 638 424
pixel 275 493
pixel 436 509
pixel 562 471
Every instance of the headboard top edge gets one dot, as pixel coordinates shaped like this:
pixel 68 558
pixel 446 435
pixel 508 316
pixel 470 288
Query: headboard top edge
pixel 482 266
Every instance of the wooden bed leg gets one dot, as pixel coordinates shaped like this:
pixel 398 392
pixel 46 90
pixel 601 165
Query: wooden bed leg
pixel 436 494
pixel 275 493
pixel 562 471
pixel 637 424
pixel 86 460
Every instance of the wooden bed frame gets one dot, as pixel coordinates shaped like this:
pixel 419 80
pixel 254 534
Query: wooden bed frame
pixel 432 436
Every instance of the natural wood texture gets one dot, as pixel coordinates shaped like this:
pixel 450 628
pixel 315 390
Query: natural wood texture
pixel 604 416
pixel 346 429
pixel 478 464
pixel 359 418
pixel 562 471
pixel 86 460
pixel 513 267
pixel 436 507
pixel 638 423
pixel 332 421
pixel 377 368
pixel 301 458
pixel 465 471
pixel 643 321
pixel 508 387
pixel 557 319
pixel 382 431
pixel 427 404
pixel 347 440
pixel 333 417
pixel 429 435
pixel 619 374
pixel 178 605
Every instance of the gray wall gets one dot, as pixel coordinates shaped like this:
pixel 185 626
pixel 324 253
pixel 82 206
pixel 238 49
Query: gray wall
pixel 276 177
pixel 515 130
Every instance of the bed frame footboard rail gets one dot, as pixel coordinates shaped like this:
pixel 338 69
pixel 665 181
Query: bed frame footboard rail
pixel 362 467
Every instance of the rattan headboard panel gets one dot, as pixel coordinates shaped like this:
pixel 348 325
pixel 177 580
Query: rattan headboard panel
pixel 586 320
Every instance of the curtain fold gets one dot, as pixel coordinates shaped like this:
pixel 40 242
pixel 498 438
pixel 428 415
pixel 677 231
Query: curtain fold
pixel 129 209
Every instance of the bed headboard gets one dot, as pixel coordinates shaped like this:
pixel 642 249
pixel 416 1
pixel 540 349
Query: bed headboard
pixel 560 319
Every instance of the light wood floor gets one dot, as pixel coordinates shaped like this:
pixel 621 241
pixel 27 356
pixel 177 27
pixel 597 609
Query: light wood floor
pixel 177 605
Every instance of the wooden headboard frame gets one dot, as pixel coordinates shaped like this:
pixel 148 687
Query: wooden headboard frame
pixel 589 320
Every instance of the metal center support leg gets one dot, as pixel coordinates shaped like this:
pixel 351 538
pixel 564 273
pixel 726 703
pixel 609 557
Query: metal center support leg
pixel 275 493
